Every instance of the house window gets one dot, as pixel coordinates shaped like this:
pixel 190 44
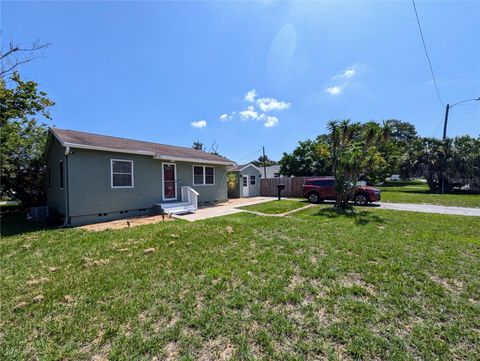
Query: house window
pixel 276 175
pixel 252 180
pixel 203 175
pixel 122 173
pixel 197 175
pixel 60 166
pixel 245 181
pixel 209 175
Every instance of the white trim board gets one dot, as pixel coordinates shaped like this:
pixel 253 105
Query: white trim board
pixel 174 179
pixel 204 176
pixel 111 173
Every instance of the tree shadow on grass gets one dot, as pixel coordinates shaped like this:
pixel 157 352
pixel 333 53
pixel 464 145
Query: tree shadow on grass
pixel 360 217
pixel 12 224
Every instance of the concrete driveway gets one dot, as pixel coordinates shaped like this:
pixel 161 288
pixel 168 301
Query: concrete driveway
pixel 429 208
pixel 232 205
pixel 223 209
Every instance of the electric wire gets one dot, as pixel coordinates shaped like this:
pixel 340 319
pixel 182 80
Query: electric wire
pixel 426 53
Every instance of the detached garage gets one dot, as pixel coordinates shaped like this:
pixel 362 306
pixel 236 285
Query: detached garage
pixel 244 181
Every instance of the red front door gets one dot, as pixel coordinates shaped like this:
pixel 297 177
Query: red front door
pixel 169 182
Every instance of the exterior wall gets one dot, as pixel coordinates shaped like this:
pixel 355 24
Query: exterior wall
pixel 208 193
pixel 254 190
pixel 55 195
pixel 92 199
pixel 271 170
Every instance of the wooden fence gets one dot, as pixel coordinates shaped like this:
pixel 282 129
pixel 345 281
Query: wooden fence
pixel 293 186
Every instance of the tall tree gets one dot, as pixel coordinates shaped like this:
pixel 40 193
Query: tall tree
pixel 14 55
pixel 305 161
pixel 263 159
pixel 22 140
pixel 198 145
pixel 353 150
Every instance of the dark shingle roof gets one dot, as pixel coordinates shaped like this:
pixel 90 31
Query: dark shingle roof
pixel 73 137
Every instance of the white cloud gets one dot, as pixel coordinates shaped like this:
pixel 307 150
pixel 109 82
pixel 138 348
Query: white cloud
pixel 271 122
pixel 258 109
pixel 225 117
pixel 348 73
pixel 199 124
pixel 269 104
pixel 250 96
pixel 334 90
pixel 249 113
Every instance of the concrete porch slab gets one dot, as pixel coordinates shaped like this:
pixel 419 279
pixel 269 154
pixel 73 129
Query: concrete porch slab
pixel 223 209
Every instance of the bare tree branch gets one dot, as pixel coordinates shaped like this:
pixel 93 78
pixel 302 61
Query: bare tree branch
pixel 15 55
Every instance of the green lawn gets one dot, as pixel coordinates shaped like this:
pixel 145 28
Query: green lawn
pixel 277 206
pixel 406 192
pixel 375 285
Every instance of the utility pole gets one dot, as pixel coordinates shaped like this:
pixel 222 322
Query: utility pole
pixel 264 165
pixel 447 109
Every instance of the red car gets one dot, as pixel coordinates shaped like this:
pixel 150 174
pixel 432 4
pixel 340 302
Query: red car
pixel 319 189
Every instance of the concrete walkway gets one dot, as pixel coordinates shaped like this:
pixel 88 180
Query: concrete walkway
pixel 223 209
pixel 232 206
pixel 429 208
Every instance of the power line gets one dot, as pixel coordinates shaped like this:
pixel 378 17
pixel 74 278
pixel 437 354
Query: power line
pixel 426 53
pixel 249 157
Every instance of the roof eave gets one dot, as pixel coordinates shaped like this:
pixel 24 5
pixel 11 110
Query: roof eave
pixel 141 152
pixel 193 160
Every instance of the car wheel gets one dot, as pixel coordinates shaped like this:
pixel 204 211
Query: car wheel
pixel 314 198
pixel 361 199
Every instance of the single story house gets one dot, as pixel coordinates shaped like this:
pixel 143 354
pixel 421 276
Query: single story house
pixel 273 171
pixel 247 183
pixel 95 178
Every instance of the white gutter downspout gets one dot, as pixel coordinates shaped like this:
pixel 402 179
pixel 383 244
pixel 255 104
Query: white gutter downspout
pixel 66 189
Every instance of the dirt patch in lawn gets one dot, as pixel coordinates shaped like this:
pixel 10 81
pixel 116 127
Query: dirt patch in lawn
pixel 125 223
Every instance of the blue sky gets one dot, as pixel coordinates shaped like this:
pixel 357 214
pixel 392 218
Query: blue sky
pixel 155 70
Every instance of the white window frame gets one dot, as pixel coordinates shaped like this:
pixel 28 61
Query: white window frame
pixel 204 175
pixel 252 177
pixel 111 173
pixel 174 178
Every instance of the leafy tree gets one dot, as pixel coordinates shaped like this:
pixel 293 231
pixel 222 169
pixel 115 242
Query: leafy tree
pixel 305 160
pixel 353 151
pixel 455 160
pixel 23 140
pixel 259 162
pixel 402 137
pixel 198 145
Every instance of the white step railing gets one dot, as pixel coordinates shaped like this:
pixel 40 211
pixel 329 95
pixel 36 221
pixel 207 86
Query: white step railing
pixel 190 196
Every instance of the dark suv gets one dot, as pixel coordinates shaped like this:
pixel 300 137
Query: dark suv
pixel 319 189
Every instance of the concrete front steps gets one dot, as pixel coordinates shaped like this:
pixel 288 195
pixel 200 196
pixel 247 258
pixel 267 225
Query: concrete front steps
pixel 176 208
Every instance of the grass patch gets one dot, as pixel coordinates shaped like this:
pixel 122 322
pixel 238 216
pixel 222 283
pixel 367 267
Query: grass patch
pixel 414 192
pixel 276 206
pixel 375 284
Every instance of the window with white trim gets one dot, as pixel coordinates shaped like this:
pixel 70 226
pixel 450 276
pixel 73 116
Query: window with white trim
pixel 252 180
pixel 122 173
pixel 203 175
